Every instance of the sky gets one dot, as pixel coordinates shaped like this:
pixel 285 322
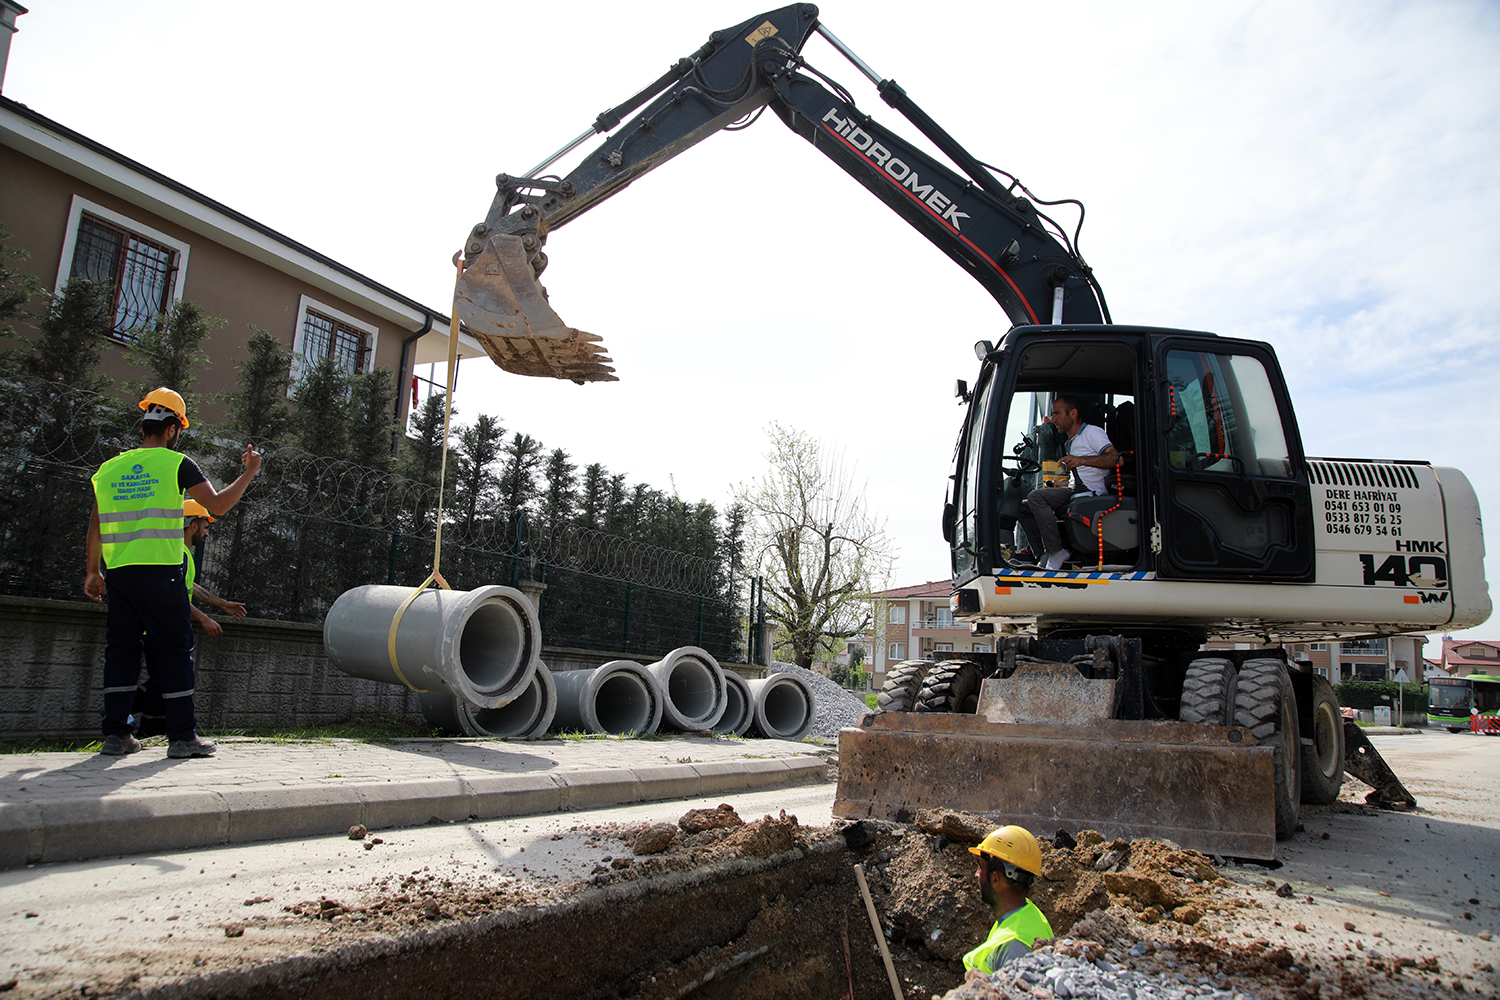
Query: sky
pixel 1317 175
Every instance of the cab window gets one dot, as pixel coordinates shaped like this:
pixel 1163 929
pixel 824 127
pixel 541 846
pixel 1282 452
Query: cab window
pixel 1223 416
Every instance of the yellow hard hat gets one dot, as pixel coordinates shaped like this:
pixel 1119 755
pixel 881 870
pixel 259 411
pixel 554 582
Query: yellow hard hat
pixel 1013 844
pixel 167 399
pixel 192 508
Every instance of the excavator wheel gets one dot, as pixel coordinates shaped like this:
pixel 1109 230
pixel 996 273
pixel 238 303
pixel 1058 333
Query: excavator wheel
pixel 1208 692
pixel 951 686
pixel 902 684
pixel 1323 760
pixel 1265 705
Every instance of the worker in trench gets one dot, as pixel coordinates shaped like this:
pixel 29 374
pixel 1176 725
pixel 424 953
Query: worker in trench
pixel 149 713
pixel 1009 861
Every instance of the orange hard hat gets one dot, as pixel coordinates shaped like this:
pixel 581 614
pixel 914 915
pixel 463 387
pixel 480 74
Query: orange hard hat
pixel 192 508
pixel 167 399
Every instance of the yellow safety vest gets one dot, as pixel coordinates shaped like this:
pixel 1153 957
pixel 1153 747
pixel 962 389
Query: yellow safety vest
pixel 192 569
pixel 1026 925
pixel 140 508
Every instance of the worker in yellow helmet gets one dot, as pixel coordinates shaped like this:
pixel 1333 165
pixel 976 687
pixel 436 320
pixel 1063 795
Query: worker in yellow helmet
pixel 137 530
pixel 1009 861
pixel 149 713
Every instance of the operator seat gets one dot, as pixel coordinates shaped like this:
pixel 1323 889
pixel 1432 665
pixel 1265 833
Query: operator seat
pixel 1121 533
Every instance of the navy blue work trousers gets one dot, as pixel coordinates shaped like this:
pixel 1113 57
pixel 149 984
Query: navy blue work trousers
pixel 148 614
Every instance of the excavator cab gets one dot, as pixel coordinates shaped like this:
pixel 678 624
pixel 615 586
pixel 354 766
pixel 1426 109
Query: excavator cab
pixel 1211 485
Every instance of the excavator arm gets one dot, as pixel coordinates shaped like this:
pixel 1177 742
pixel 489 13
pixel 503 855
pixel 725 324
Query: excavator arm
pixel 999 237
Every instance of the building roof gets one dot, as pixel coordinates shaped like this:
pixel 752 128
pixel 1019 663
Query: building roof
pixel 1452 657
pixel 937 588
pixel 78 156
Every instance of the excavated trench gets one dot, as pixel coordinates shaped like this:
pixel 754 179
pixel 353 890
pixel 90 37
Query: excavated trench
pixel 792 924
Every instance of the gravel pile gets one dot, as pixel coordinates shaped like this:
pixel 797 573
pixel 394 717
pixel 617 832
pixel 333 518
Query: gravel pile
pixel 1070 978
pixel 837 707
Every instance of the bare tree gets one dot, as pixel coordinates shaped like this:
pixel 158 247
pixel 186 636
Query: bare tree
pixel 820 548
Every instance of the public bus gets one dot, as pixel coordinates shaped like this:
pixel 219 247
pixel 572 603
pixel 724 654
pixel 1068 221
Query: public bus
pixel 1460 703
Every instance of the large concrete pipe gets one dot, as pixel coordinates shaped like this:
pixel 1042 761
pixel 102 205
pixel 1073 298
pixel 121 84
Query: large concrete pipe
pixel 693 684
pixel 784 706
pixel 619 697
pixel 739 709
pixel 527 717
pixel 482 646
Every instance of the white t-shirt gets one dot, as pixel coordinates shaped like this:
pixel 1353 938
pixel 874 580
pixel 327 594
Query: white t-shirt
pixel 1091 440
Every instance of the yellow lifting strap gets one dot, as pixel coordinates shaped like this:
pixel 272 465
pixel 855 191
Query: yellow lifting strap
pixel 436 575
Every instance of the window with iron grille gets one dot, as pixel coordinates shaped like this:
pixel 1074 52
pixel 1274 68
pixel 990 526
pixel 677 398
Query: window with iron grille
pixel 140 273
pixel 324 332
pixel 324 336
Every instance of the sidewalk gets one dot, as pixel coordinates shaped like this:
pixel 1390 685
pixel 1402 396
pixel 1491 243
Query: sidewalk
pixel 72 806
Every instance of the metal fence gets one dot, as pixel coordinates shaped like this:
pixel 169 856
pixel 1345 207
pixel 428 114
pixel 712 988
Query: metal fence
pixel 311 528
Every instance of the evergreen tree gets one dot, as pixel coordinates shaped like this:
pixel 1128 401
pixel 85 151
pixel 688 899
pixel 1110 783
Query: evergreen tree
pixel 593 497
pixel 69 343
pixel 479 448
pixel 258 409
pixel 560 494
pixel 371 405
pixel 321 425
pixel 616 516
pixel 518 479
pixel 422 457
pixel 17 288
pixel 170 352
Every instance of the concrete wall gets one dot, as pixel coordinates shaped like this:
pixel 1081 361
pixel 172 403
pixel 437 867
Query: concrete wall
pixel 258 675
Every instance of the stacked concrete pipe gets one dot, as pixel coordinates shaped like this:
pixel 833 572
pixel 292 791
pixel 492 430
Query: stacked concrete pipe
pixel 527 717
pixel 692 683
pixel 739 706
pixel 785 708
pixel 617 698
pixel 482 646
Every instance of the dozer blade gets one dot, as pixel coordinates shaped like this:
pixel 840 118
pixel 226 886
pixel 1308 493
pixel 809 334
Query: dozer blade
pixel 504 306
pixel 1206 788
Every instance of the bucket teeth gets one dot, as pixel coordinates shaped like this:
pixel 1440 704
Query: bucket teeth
pixel 503 305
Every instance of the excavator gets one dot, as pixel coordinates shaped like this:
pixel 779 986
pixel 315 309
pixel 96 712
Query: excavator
pixel 1106 699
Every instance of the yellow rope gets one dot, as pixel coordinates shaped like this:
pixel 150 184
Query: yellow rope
pixel 437 545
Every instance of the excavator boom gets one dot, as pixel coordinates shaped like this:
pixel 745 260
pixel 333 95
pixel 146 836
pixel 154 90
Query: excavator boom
pixel 993 233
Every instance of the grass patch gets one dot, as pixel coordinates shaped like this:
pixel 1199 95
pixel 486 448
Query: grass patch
pixel 870 701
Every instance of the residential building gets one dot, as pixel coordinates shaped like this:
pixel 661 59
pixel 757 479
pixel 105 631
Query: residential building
pixel 1393 658
pixel 1462 657
pixel 82 209
pixel 914 623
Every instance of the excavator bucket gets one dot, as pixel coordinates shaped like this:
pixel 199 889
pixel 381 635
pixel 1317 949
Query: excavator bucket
pixel 1207 788
pixel 505 308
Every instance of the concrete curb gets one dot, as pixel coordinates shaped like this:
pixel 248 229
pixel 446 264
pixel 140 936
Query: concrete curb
pixel 77 829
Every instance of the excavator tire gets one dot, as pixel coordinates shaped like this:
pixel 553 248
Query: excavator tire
pixel 951 686
pixel 1323 760
pixel 902 684
pixel 1208 692
pixel 1265 704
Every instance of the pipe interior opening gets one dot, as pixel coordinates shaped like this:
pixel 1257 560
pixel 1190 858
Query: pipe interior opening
pixel 514 719
pixel 786 708
pixel 493 646
pixel 735 707
pixel 691 689
pixel 623 704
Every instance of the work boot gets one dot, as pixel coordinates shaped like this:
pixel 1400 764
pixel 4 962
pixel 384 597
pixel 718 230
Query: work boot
pixel 195 747
pixel 119 746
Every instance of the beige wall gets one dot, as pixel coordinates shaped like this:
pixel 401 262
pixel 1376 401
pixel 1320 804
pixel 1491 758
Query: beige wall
pixel 35 201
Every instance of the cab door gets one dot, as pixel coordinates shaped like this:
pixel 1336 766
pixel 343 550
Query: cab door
pixel 1235 501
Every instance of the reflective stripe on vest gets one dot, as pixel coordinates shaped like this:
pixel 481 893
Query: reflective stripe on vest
pixel 140 508
pixel 1024 925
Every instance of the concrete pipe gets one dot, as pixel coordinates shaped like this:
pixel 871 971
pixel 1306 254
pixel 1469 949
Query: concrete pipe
pixel 693 685
pixel 617 698
pixel 481 646
pixel 527 717
pixel 739 709
pixel 784 706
